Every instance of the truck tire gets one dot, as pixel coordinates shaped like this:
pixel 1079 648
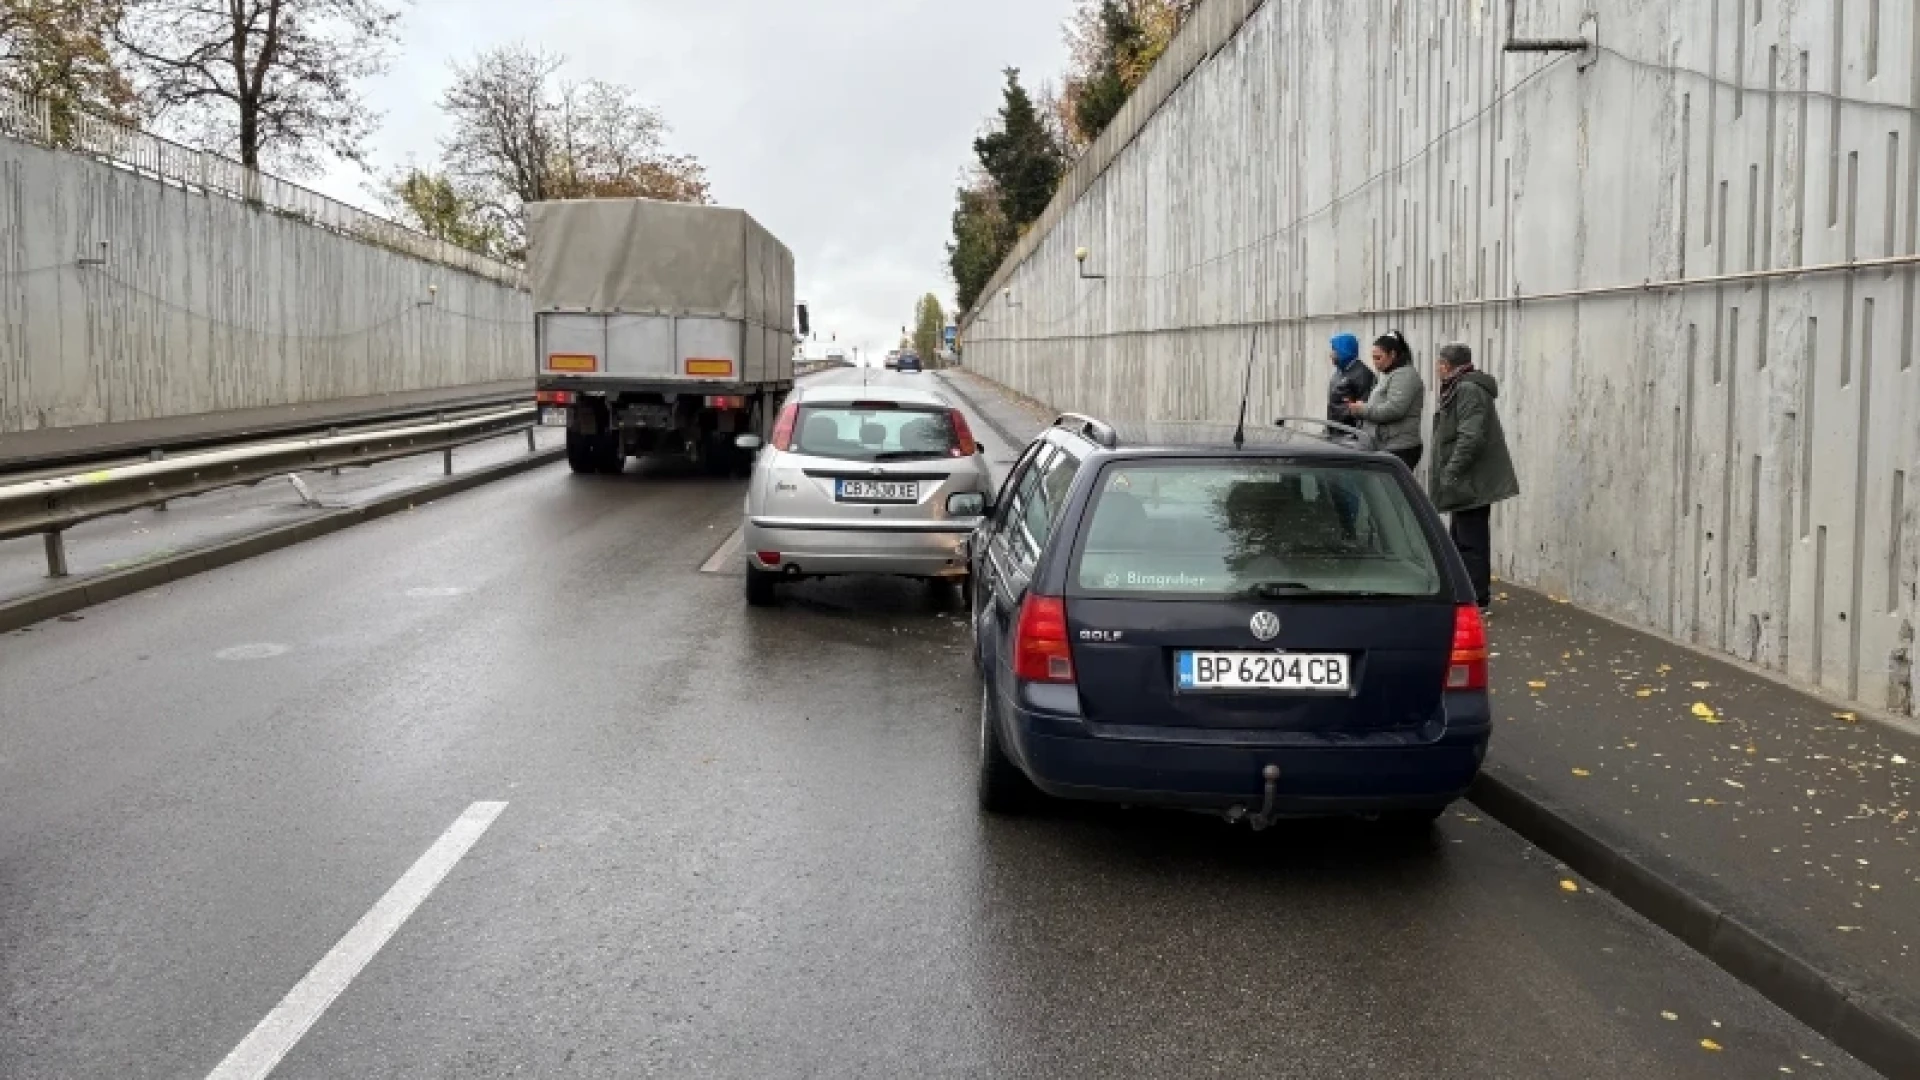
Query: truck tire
pixel 608 455
pixel 580 452
pixel 760 585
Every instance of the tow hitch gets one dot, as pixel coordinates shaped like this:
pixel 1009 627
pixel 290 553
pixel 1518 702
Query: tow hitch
pixel 1265 817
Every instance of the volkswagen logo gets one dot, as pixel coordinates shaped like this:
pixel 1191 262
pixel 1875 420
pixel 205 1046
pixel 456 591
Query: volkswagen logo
pixel 1265 626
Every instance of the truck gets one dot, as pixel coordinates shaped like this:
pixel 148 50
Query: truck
pixel 659 329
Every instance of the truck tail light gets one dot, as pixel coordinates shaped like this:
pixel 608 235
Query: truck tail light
pixel 783 426
pixel 726 403
pixel 553 397
pixel 1468 668
pixel 1041 652
pixel 964 446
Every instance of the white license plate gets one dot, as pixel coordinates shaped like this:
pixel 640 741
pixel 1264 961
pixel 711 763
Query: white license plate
pixel 1320 673
pixel 553 417
pixel 888 491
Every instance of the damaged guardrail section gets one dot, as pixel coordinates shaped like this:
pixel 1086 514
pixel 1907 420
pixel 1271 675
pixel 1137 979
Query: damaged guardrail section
pixel 52 506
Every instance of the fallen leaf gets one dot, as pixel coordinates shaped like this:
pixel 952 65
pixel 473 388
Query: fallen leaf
pixel 1847 717
pixel 1664 668
pixel 1703 710
pixel 1734 783
pixel 1643 693
pixel 1537 685
pixel 1846 929
pixel 1669 1016
pixel 1898 759
pixel 1569 886
pixel 1581 772
pixel 1709 1044
pixel 1701 685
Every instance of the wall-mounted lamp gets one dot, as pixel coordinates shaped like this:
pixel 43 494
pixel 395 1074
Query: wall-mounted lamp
pixel 1007 295
pixel 1588 42
pixel 433 297
pixel 1080 255
pixel 101 261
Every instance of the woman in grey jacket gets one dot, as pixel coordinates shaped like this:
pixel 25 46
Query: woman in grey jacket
pixel 1392 413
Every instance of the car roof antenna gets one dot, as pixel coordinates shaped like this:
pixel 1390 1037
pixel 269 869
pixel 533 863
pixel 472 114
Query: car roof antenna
pixel 1246 391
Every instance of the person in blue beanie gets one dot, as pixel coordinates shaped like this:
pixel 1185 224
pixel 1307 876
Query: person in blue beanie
pixel 1351 381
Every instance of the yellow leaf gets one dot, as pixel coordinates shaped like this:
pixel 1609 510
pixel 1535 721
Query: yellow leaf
pixel 1709 1044
pixel 1643 693
pixel 1847 717
pixel 1703 710
pixel 1537 685
pixel 1664 1015
pixel 1569 886
pixel 1701 685
pixel 1664 668
pixel 1581 772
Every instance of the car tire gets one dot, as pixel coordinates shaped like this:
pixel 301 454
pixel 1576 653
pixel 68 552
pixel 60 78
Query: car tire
pixel 1003 788
pixel 760 588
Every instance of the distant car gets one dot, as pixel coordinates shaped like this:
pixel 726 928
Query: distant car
pixel 863 480
pixel 1277 630
pixel 907 362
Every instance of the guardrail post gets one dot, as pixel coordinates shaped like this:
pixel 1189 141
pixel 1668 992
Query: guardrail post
pixel 334 433
pixel 157 455
pixel 448 461
pixel 531 445
pixel 56 553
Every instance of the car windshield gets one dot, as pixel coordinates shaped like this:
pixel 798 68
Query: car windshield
pixel 864 432
pixel 1265 531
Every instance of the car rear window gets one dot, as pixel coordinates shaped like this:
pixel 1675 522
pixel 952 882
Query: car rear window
pixel 858 432
pixel 1266 530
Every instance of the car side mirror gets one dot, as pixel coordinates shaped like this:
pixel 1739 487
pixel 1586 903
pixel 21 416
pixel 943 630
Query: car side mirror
pixel 806 324
pixel 967 504
pixel 749 442
pixel 980 448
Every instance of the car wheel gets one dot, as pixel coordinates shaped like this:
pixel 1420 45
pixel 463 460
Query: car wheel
pixel 1003 789
pixel 760 585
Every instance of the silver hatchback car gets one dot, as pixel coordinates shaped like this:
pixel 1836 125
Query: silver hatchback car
pixel 863 480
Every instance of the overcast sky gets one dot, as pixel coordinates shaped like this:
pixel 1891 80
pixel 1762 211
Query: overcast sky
pixel 841 125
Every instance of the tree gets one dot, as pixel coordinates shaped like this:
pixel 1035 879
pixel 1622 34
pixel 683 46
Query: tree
pixel 57 50
pixel 929 323
pixel 522 134
pixel 432 203
pixel 1021 155
pixel 982 237
pixel 1114 45
pixel 267 80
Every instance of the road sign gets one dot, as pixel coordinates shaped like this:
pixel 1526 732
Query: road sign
pixel 950 334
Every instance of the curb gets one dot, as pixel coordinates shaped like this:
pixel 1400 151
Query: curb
pixel 1847 1015
pixel 78 595
pixel 1013 444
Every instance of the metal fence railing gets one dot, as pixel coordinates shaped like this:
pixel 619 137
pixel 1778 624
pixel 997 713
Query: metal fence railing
pixel 30 119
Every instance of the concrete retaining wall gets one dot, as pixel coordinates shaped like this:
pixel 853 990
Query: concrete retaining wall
pixel 1733 462
pixel 206 304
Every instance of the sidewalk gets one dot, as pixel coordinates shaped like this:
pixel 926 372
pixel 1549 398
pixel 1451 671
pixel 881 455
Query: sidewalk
pixel 1795 820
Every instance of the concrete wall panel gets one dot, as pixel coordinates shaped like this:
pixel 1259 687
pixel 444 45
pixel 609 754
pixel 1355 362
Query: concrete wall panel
pixel 1723 457
pixel 207 304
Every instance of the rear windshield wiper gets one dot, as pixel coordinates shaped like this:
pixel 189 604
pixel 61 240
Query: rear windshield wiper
pixel 908 455
pixel 1266 590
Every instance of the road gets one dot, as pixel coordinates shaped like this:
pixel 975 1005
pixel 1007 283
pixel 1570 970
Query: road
pixel 734 843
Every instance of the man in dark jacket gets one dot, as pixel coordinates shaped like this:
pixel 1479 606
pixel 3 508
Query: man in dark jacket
pixel 1351 381
pixel 1472 469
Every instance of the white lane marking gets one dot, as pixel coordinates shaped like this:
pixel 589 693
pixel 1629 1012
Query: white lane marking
pixel 727 553
pixel 287 1024
pixel 264 650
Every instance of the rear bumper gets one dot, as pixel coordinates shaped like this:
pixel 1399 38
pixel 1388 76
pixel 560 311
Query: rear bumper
pixel 809 552
pixel 1313 780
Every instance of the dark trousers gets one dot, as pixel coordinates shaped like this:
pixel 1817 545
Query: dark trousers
pixel 1473 535
pixel 1410 456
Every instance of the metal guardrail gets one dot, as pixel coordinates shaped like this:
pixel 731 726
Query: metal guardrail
pixel 51 506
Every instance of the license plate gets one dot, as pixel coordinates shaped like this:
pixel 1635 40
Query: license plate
pixel 553 417
pixel 1321 673
pixel 886 491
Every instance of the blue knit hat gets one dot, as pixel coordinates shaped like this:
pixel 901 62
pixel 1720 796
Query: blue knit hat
pixel 1346 349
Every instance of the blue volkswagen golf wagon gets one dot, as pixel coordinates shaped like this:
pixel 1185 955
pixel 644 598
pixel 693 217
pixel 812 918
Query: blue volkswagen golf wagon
pixel 1257 624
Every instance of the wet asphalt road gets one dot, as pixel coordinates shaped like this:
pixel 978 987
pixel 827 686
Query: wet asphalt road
pixel 735 844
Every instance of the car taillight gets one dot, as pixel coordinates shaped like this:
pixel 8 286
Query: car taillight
pixel 1467 670
pixel 783 427
pixel 1040 649
pixel 962 435
pixel 769 558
